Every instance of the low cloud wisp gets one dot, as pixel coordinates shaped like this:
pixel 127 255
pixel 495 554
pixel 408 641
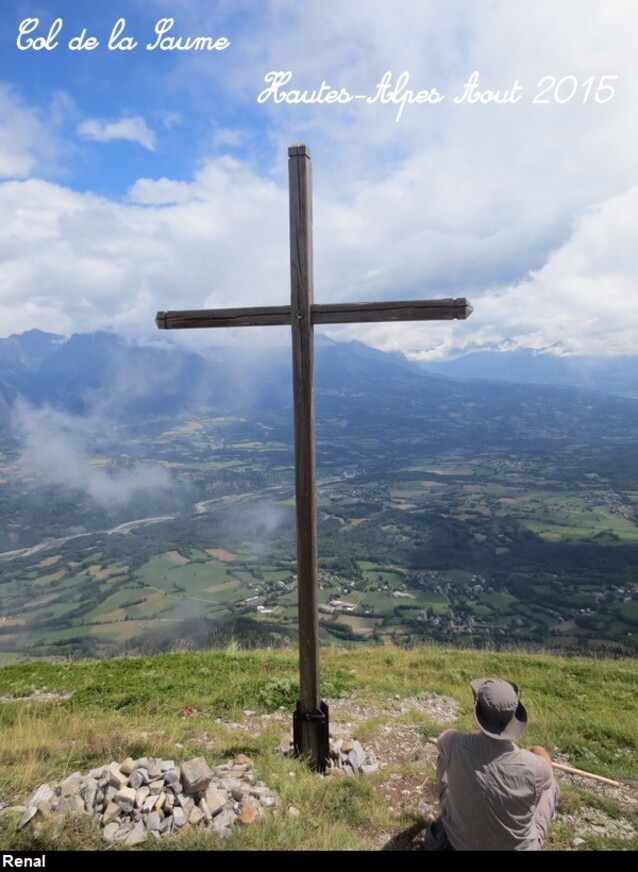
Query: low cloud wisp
pixel 59 449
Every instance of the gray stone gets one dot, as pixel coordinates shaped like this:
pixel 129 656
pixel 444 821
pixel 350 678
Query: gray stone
pixel 196 775
pixel 60 805
pixel 116 777
pixel 88 796
pixel 172 776
pixel 215 800
pixel 72 784
pixel 122 831
pixel 195 816
pixel 111 813
pixel 149 804
pixel 137 836
pixel 76 804
pixel 160 800
pixel 154 768
pixel 109 793
pixel 186 803
pixel 285 745
pixel 135 779
pixel 127 766
pixel 125 798
pixel 206 812
pixel 28 814
pixel 153 821
pixel 44 793
pixel 357 756
pixel 109 831
pixel 140 795
pixel 179 818
pixel 224 822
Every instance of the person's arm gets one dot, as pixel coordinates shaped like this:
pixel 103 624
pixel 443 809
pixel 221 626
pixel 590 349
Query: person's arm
pixel 441 764
pixel 540 752
pixel 545 779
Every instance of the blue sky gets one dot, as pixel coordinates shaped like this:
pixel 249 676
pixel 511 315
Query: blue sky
pixel 140 180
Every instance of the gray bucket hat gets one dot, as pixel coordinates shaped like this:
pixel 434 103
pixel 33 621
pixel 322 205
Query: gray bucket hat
pixel 498 710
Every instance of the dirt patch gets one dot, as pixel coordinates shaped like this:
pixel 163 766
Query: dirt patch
pixel 38 696
pixel 221 554
pixel 49 561
pixel 362 626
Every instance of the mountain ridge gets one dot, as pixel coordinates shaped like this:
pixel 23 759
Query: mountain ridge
pixel 615 375
pixel 77 371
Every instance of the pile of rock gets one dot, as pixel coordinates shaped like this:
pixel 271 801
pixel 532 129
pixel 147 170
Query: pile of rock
pixel 150 797
pixel 345 756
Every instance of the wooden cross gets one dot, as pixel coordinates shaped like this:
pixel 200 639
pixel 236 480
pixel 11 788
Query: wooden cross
pixel 310 721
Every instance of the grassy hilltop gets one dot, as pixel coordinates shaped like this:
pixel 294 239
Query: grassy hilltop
pixel 58 718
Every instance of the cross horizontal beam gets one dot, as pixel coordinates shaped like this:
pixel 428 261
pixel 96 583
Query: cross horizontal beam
pixel 320 313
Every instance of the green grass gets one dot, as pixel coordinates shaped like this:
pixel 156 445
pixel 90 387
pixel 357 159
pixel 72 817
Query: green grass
pixel 585 710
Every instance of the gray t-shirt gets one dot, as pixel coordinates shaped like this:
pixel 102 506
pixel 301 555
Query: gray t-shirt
pixel 490 791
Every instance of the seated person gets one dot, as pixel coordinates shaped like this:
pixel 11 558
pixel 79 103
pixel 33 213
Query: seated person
pixel 494 796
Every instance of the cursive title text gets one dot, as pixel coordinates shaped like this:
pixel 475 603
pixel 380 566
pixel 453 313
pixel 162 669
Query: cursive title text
pixel 33 35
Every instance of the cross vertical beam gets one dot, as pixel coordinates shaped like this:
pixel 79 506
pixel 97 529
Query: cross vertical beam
pixel 310 720
pixel 310 725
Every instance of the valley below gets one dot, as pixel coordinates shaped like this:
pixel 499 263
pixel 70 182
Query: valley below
pixel 459 512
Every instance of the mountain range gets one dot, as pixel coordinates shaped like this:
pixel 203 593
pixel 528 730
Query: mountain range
pixel 614 375
pixel 103 369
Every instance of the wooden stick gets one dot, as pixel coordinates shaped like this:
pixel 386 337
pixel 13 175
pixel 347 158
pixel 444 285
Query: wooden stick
pixel 568 769
pixel 571 771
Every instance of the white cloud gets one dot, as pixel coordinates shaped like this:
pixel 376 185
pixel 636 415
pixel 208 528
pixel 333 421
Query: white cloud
pixel 157 192
pixel 524 209
pixel 583 300
pixel 28 140
pixel 58 449
pixel 133 129
pixel 103 265
pixel 171 119
pixel 222 240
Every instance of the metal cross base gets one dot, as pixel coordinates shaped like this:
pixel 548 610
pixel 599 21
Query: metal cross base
pixel 311 736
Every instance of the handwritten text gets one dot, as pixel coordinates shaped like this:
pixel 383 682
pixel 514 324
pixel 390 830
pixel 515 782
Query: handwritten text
pixel 32 36
pixel 388 90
